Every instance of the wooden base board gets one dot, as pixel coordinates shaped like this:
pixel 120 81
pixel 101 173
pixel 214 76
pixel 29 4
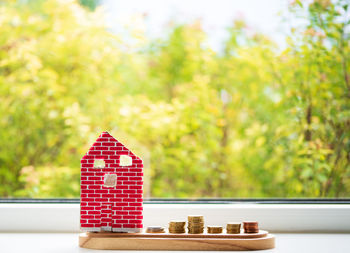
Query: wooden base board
pixel 166 241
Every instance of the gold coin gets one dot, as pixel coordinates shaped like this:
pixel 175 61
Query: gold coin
pixel 177 223
pixel 232 231
pixel 195 218
pixel 155 229
pixel 177 231
pixel 173 226
pixel 195 225
pixel 233 228
pixel 214 229
pixel 182 227
pixel 233 224
pixel 192 222
pixel 195 232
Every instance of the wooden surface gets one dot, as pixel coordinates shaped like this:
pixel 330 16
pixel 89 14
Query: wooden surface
pixel 262 233
pixel 67 243
pixel 165 241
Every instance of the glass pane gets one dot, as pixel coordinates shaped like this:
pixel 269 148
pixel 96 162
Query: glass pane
pixel 125 160
pixel 99 163
pixel 110 180
pixel 221 99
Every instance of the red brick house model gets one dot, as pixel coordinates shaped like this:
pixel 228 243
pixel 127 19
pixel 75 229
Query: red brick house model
pixel 111 188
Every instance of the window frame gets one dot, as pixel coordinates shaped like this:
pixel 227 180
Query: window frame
pixel 305 215
pixel 190 201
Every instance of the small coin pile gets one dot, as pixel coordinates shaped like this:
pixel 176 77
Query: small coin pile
pixel 195 224
pixel 250 227
pixel 155 229
pixel 177 227
pixel 214 229
pixel 233 228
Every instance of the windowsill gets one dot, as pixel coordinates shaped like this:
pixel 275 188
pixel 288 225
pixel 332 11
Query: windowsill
pixel 68 243
pixel 284 218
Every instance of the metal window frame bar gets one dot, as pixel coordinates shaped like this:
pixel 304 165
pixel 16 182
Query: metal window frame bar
pixel 189 201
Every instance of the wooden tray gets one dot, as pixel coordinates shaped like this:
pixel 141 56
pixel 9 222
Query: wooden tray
pixel 166 241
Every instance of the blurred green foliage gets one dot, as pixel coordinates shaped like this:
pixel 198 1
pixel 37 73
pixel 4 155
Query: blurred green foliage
pixel 91 4
pixel 252 121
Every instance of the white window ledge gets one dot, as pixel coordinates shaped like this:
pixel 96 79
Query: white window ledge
pixel 273 217
pixel 68 243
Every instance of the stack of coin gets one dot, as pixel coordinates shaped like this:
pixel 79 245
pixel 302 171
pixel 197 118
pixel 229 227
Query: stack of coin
pixel 214 229
pixel 233 228
pixel 177 227
pixel 250 227
pixel 155 229
pixel 195 224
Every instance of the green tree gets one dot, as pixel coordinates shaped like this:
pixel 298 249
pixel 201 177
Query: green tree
pixel 250 121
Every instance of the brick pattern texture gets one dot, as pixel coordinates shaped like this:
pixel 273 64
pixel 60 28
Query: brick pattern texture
pixel 115 207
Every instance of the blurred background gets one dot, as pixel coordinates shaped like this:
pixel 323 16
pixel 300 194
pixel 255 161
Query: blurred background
pixel 222 99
